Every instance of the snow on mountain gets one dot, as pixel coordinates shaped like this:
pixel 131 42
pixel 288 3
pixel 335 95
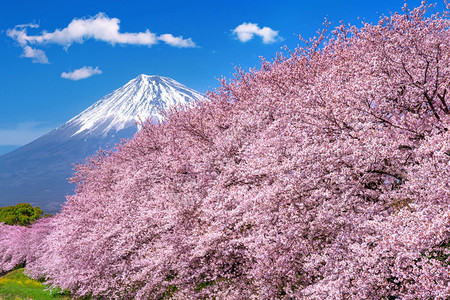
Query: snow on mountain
pixel 38 172
pixel 140 98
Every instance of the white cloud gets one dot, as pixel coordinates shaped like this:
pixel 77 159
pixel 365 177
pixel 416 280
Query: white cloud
pixel 37 55
pixel 81 73
pixel 177 41
pixel 22 134
pixel 99 27
pixel 246 31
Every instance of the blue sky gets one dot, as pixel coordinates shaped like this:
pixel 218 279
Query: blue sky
pixel 59 57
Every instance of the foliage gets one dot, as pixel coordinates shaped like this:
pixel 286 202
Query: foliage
pixel 323 175
pixel 21 214
pixel 16 285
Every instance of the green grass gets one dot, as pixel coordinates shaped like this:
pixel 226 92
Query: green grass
pixel 15 285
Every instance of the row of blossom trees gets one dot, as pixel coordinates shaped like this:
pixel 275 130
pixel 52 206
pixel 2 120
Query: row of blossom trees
pixel 323 175
pixel 19 244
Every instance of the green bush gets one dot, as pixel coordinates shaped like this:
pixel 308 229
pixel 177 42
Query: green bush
pixel 21 214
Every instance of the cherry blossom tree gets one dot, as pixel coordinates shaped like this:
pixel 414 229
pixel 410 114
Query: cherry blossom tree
pixel 322 175
pixel 12 247
pixel 19 244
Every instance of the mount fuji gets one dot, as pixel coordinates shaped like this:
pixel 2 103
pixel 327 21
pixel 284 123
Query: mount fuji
pixel 37 172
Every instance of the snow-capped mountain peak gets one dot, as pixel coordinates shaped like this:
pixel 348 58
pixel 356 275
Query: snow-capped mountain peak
pixel 37 172
pixel 142 97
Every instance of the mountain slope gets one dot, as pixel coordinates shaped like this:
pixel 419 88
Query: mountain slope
pixel 37 172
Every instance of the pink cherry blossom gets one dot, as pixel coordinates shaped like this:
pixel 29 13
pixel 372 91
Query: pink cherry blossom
pixel 322 175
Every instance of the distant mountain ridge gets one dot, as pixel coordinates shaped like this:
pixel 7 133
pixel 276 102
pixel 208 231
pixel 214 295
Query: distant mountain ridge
pixel 37 172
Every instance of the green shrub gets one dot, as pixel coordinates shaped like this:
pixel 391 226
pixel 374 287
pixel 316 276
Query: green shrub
pixel 21 214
